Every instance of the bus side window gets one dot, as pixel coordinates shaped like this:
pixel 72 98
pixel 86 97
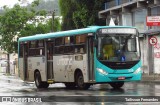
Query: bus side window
pixel 41 47
pixel 59 41
pixel 80 44
pixel 33 44
pixel 68 49
pixel 69 42
pixel 80 39
pixel 59 45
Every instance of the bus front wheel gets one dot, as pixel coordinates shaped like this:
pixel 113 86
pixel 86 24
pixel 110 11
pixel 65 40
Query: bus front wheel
pixel 116 85
pixel 80 81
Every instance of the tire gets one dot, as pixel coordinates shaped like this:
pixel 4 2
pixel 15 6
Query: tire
pixel 117 85
pixel 38 81
pixel 80 82
pixel 70 85
pixel 45 85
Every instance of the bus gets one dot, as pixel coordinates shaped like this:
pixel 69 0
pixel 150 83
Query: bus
pixel 82 57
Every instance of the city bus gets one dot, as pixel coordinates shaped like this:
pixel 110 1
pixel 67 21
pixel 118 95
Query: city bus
pixel 82 57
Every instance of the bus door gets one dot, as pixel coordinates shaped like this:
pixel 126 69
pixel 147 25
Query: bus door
pixel 49 46
pixel 25 61
pixel 90 55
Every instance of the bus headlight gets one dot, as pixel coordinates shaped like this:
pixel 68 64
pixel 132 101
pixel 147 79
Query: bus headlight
pixel 137 71
pixel 102 71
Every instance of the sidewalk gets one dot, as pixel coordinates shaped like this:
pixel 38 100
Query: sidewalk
pixel 151 78
pixel 10 78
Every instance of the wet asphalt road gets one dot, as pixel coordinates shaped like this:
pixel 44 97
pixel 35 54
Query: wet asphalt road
pixel 96 94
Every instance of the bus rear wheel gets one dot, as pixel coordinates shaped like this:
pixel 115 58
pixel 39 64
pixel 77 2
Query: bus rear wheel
pixel 45 85
pixel 38 81
pixel 80 81
pixel 116 85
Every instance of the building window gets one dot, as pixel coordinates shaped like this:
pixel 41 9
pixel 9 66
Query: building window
pixel 127 19
pixel 139 18
pixel 155 12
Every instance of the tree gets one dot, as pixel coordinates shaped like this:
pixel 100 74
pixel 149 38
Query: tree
pixel 80 13
pixel 12 22
pixel 15 23
pixel 67 12
pixel 57 24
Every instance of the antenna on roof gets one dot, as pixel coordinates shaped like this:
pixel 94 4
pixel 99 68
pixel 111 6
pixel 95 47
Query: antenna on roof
pixel 111 22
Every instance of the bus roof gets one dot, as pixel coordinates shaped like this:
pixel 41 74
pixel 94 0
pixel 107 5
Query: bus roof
pixel 89 29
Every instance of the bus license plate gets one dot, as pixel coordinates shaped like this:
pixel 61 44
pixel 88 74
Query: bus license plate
pixel 121 78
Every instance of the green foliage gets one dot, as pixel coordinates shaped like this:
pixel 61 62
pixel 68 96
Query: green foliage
pixel 48 6
pixel 87 13
pixel 57 25
pixel 80 13
pixel 35 3
pixel 67 8
pixel 12 21
pixel 18 22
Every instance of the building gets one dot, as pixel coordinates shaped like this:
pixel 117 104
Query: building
pixel 134 13
pixel 4 64
pixel 4 59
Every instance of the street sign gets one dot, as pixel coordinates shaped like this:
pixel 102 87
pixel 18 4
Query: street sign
pixel 153 40
pixel 153 20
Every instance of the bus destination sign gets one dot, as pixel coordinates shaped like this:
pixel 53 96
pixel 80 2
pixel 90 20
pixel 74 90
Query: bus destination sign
pixel 118 31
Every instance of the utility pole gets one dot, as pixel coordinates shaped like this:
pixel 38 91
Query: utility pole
pixel 8 64
pixel 53 13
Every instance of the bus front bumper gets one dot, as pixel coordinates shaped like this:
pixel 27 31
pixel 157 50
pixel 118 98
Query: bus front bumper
pixel 118 77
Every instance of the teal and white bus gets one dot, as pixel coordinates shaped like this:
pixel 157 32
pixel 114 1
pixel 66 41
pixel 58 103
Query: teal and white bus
pixel 81 57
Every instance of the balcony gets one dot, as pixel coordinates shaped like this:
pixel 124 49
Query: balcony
pixel 114 3
pixel 115 7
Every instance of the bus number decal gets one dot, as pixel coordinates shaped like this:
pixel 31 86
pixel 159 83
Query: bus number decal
pixel 65 61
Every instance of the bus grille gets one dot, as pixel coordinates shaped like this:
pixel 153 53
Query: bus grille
pixel 119 65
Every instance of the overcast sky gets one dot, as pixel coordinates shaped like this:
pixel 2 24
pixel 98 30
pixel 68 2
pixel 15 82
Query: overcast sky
pixel 10 3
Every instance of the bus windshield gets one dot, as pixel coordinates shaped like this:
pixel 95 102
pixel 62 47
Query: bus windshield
pixel 118 47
